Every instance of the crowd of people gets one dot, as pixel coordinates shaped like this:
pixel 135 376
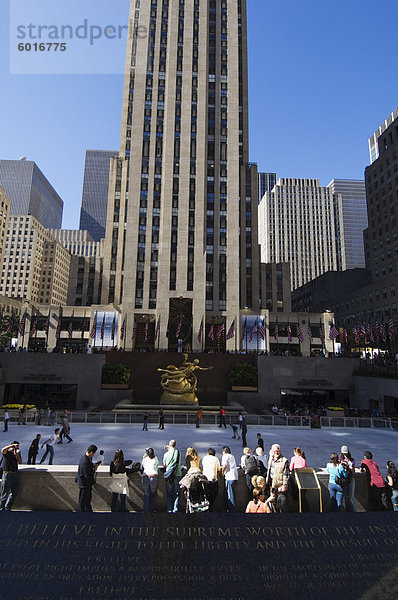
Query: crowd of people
pixel 268 477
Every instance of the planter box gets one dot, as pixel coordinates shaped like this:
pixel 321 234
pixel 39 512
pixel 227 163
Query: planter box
pixel 114 386
pixel 244 388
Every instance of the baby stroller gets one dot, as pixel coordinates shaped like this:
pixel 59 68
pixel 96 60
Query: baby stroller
pixel 193 485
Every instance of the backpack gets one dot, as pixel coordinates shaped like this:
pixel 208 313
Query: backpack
pixel 342 476
pixel 251 465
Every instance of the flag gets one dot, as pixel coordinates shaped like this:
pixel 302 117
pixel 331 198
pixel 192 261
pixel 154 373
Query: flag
pixel 383 332
pixel 94 327
pixel 21 326
pixel 113 327
pixel 157 330
pixel 134 334
pixel 231 331
pixel 211 333
pixel 309 330
pixel 299 332
pixel 276 331
pixel 333 333
pixel 262 329
pixel 357 335
pixel 363 331
pixel 345 334
pixel 377 331
pixel 369 332
pixel 102 327
pixel 146 331
pixel 341 332
pixel 70 328
pixel 10 325
pixel 221 330
pixel 254 331
pixel 390 330
pixel 321 334
pixel 200 332
pixel 33 329
pixel 58 330
pixel 244 330
pixel 289 333
pixel 123 329
pixel 178 329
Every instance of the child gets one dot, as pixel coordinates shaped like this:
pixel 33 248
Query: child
pixel 235 430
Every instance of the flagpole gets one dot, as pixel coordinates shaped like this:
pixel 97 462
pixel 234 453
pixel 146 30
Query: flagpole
pixel 236 334
pixel 158 333
pixel 203 332
pixel 125 334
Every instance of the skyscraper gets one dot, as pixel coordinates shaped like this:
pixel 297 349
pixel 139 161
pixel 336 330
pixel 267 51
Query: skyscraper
pixel 95 192
pixel 301 222
pixel 181 231
pixel 266 182
pixel 355 219
pixel 30 192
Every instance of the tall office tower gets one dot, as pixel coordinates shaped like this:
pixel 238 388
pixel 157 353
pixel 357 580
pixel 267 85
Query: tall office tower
pixel 266 182
pixel 381 237
pixel 86 266
pixel 95 192
pixel 374 150
pixel 30 192
pixel 5 204
pixel 301 223
pixel 181 232
pixel 35 266
pixel 355 219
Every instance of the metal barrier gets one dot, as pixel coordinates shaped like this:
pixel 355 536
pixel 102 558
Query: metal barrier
pixel 360 422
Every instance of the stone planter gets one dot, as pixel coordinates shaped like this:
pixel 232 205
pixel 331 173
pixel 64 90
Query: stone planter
pixel 244 388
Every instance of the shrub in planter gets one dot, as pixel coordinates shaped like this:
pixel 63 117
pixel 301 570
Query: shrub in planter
pixel 243 374
pixel 115 373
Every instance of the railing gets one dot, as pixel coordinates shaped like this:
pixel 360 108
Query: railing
pixel 360 422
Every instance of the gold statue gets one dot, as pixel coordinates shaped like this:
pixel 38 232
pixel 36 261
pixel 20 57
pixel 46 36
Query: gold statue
pixel 180 383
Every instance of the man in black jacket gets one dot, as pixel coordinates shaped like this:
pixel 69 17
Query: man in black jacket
pixel 9 483
pixel 85 479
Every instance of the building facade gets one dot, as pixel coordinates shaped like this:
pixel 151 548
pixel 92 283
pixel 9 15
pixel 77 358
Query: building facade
pixel 35 266
pixel 95 192
pixel 266 182
pixel 181 232
pixel 5 205
pixel 374 150
pixel 301 222
pixel 355 219
pixel 30 192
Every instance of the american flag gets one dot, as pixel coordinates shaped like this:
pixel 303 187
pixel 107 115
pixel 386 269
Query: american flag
pixel 211 332
pixel 276 331
pixel 333 333
pixel 134 334
pixel 10 325
pixel 123 329
pixel 231 331
pixel 102 327
pixel 254 331
pixel 146 331
pixel 369 332
pixel 94 327
pixel 377 331
pixel 289 333
pixel 221 330
pixel 200 332
pixel 299 333
pixel 47 324
pixel 383 332
pixel 113 327
pixel 363 331
pixel 309 330
pixel 21 326
pixel 262 329
pixel 357 335
pixel 244 330
pixel 321 335
pixel 390 330
pixel 178 329
pixel 157 330
pixel 70 329
pixel 33 329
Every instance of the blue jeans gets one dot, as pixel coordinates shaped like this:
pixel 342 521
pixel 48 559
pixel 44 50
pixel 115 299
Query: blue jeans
pixel 336 496
pixel 173 493
pixel 230 502
pixel 394 499
pixel 122 502
pixel 149 485
pixel 9 488
pixel 349 496
pixel 49 450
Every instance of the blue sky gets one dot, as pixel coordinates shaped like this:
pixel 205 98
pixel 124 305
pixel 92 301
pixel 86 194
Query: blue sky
pixel 322 78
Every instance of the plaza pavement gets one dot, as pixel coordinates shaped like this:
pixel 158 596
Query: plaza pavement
pixel 317 443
